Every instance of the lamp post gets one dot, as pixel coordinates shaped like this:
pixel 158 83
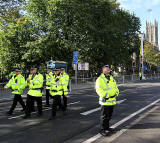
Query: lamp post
pixel 142 39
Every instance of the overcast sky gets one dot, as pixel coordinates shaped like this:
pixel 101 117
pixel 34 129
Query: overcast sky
pixel 141 7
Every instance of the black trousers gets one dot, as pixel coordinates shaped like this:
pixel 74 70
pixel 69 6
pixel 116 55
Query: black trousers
pixel 64 101
pixel 106 114
pixel 17 98
pixel 47 96
pixel 56 102
pixel 30 103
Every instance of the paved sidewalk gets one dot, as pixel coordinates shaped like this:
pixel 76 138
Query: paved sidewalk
pixel 146 129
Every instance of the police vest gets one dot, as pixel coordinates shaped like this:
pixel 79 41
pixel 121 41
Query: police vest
pixel 48 80
pixel 107 90
pixel 17 83
pixel 35 85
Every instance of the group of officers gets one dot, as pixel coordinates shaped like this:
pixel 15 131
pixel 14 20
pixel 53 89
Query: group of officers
pixel 57 86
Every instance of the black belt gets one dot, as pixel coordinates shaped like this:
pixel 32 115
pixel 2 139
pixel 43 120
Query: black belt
pixel 36 89
pixel 109 98
pixel 57 90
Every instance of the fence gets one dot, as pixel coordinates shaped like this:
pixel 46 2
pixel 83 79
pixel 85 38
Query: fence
pixel 82 83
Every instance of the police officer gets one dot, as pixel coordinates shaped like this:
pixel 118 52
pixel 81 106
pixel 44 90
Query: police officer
pixel 27 84
pixel 108 91
pixel 17 83
pixel 49 75
pixel 140 75
pixel 12 74
pixel 65 78
pixel 56 91
pixel 35 92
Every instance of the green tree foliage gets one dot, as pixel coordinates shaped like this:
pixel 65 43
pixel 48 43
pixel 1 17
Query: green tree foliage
pixel 100 30
pixel 151 56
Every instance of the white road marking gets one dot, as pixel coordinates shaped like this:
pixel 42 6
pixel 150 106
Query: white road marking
pixel 90 111
pixel 15 117
pixel 115 136
pixel 121 101
pixel 92 139
pixel 97 109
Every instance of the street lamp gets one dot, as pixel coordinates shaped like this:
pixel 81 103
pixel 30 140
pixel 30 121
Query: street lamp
pixel 141 35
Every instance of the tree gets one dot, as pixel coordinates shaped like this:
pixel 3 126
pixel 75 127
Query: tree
pixel 100 30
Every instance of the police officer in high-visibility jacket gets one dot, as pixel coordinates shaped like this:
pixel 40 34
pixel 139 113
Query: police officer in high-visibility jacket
pixel 65 78
pixel 56 91
pixel 17 83
pixel 49 75
pixel 108 91
pixel 35 92
pixel 27 84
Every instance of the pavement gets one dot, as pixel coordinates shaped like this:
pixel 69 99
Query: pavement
pixel 136 119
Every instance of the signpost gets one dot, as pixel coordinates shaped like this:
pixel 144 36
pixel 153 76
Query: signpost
pixel 75 62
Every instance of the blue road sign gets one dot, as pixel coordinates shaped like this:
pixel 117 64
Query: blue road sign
pixel 158 67
pixel 145 68
pixel 75 57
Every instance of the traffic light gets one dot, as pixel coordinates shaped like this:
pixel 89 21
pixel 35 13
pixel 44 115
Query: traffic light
pixel 133 63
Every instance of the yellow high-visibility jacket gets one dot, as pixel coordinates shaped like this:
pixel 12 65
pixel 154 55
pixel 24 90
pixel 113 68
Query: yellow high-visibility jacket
pixel 35 85
pixel 107 90
pixel 48 80
pixel 65 79
pixel 57 86
pixel 17 83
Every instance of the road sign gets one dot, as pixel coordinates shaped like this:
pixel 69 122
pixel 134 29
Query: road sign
pixel 83 66
pixel 75 57
pixel 145 68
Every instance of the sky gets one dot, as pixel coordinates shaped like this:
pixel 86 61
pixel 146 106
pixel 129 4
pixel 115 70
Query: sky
pixel 141 9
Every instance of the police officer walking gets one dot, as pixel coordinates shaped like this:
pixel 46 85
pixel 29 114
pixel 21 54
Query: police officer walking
pixel 49 76
pixel 140 75
pixel 65 78
pixel 108 91
pixel 35 83
pixel 17 83
pixel 56 91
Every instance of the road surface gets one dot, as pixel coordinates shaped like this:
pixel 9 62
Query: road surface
pixel 136 103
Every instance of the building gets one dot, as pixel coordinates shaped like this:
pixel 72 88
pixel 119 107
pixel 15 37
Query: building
pixel 152 34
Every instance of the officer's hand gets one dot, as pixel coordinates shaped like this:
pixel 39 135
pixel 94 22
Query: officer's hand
pixel 65 95
pixel 28 80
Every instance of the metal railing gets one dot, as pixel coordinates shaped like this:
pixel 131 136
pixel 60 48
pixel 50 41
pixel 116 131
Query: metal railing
pixel 83 83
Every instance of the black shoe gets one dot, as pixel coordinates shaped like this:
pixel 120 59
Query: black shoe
pixel 39 115
pixel 26 116
pixel 33 110
pixel 47 105
pixel 9 113
pixel 64 113
pixel 51 118
pixel 104 133
pixel 111 130
pixel 22 110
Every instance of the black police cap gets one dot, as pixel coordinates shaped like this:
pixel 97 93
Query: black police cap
pixel 17 70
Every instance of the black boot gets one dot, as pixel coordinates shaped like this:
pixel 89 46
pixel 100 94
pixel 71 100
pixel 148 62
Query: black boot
pixel 26 116
pixel 9 113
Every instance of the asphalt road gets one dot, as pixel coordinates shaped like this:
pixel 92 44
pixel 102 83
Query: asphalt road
pixel 81 122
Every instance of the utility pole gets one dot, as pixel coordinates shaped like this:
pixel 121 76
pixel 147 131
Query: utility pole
pixel 142 39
